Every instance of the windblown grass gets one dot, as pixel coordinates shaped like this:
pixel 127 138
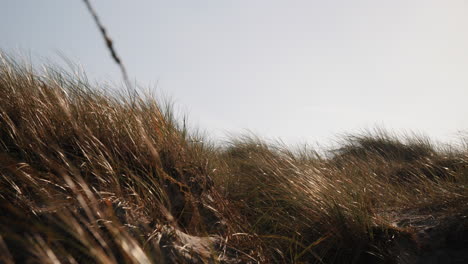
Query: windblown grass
pixel 337 209
pixel 90 177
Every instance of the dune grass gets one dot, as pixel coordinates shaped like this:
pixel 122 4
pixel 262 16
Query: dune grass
pixel 87 176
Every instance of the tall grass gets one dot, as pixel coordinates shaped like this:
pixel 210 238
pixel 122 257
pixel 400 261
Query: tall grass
pixel 87 176
pixel 342 208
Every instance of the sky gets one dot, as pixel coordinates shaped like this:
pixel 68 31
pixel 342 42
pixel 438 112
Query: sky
pixel 299 71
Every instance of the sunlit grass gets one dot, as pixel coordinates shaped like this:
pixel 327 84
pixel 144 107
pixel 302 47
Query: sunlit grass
pixel 92 177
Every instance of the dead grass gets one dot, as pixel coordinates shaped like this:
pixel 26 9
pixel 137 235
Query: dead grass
pixel 90 177
pixel 334 209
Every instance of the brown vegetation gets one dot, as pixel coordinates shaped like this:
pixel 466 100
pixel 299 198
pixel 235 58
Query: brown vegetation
pixel 89 177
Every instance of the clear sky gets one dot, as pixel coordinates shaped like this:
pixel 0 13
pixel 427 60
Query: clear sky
pixel 296 70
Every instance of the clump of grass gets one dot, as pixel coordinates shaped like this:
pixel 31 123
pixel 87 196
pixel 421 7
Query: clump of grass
pixel 90 177
pixel 333 208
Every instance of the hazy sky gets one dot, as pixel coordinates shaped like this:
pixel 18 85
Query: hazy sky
pixel 296 70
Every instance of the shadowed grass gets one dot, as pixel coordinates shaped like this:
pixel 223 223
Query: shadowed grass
pixel 75 159
pixel 90 177
pixel 335 209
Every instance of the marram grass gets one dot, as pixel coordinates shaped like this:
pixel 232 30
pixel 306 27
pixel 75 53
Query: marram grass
pixel 91 177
